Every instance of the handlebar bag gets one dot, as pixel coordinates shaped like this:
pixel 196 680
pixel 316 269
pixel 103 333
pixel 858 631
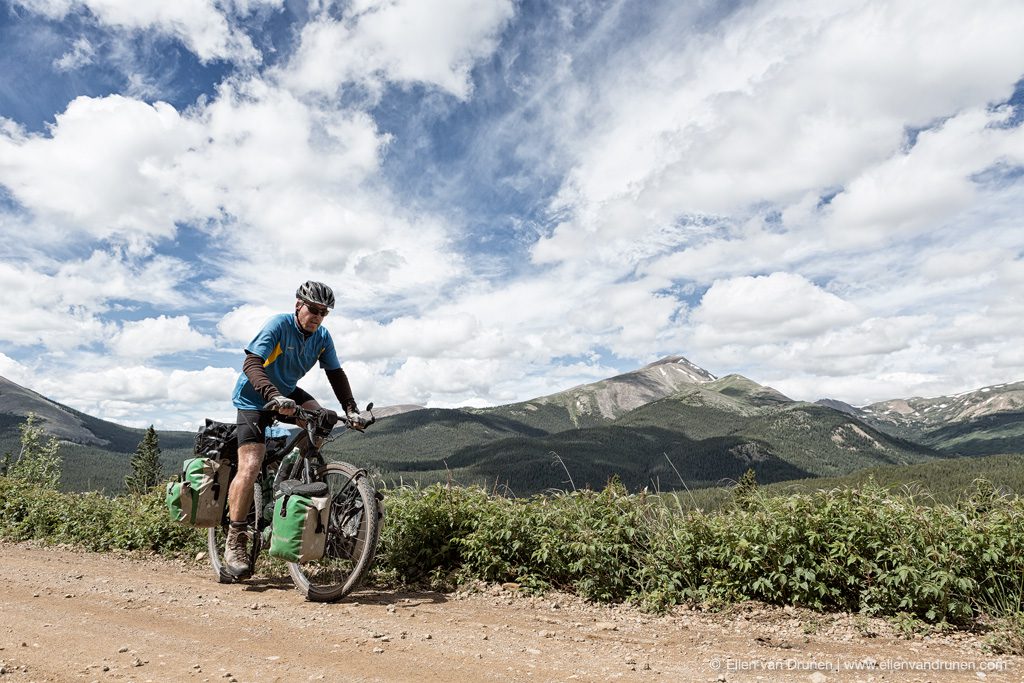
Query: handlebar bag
pixel 198 497
pixel 300 521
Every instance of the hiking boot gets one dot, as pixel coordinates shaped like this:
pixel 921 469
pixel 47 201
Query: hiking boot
pixel 236 557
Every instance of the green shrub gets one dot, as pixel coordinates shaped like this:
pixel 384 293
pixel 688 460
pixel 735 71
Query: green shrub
pixel 863 550
pixel 91 520
pixel 587 542
pixel 422 528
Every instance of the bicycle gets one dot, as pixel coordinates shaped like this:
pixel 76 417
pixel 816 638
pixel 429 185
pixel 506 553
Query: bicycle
pixel 354 519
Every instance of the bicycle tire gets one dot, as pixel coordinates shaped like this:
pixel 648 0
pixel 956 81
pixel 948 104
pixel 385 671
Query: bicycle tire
pixel 217 536
pixel 353 530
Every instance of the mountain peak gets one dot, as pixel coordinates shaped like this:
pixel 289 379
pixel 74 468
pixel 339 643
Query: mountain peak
pixel 696 373
pixel 615 396
pixel 841 406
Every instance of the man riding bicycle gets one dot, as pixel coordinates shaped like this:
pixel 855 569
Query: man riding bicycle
pixel 279 355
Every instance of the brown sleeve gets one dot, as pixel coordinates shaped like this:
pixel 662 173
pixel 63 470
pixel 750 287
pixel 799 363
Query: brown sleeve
pixel 342 389
pixel 252 366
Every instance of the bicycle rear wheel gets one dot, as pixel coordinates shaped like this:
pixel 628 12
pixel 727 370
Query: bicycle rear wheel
pixel 353 528
pixel 217 536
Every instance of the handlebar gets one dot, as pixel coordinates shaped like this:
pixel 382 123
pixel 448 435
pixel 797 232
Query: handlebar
pixel 315 416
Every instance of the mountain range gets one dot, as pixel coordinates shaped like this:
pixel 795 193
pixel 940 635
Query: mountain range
pixel 666 425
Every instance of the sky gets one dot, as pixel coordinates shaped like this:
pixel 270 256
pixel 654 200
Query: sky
pixel 510 197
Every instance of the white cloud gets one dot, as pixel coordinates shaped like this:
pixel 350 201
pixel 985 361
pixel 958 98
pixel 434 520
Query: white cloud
pixel 54 9
pixel 446 379
pixel 427 337
pixel 244 7
pixel 105 170
pixel 782 101
pixel 954 263
pixel 209 385
pixel 860 390
pixel 107 275
pixel 241 324
pixel 867 340
pixel 81 54
pixel 1011 358
pixel 160 336
pixel 453 383
pixel 261 165
pixel 14 371
pixel 261 135
pixel 201 25
pixel 279 170
pixel 435 42
pixel 61 305
pixel 138 395
pixel 771 307
pixel 914 192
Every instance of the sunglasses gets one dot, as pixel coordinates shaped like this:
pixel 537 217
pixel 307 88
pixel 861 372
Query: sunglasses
pixel 316 310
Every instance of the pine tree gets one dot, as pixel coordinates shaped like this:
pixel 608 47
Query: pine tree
pixel 145 465
pixel 745 489
pixel 39 460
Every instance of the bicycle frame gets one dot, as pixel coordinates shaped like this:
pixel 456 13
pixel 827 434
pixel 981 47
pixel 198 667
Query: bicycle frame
pixel 308 445
pixel 308 440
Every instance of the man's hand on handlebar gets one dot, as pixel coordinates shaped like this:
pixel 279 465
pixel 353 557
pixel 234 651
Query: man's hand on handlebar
pixel 355 420
pixel 282 405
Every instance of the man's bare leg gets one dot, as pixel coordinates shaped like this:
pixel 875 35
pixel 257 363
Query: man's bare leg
pixel 250 458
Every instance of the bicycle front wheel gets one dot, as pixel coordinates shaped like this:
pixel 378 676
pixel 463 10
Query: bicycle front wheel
pixel 353 528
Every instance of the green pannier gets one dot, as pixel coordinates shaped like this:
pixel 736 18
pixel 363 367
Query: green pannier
pixel 300 521
pixel 198 497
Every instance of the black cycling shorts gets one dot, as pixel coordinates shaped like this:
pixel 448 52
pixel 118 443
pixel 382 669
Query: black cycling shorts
pixel 252 424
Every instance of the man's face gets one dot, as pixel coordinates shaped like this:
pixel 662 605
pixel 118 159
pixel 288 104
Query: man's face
pixel 310 316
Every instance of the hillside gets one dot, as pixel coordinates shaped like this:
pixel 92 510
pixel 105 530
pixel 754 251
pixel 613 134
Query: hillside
pixel 96 453
pixel 943 481
pixel 16 402
pixel 738 386
pixel 985 421
pixel 942 410
pixel 939 481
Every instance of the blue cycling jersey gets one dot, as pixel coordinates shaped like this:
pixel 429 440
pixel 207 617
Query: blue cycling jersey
pixel 288 354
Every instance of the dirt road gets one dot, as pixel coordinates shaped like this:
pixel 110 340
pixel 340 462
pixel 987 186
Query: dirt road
pixel 72 616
